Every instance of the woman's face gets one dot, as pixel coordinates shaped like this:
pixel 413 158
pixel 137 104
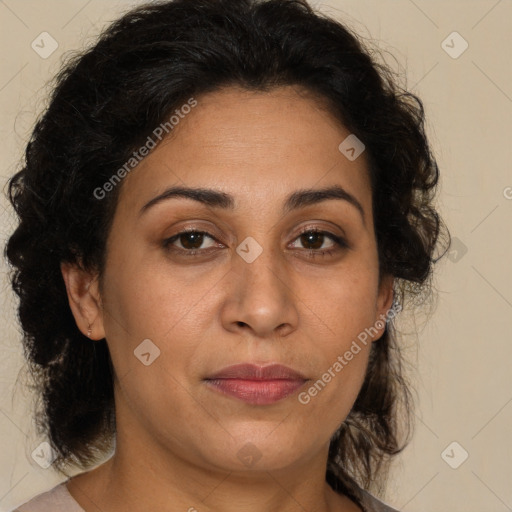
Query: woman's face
pixel 256 290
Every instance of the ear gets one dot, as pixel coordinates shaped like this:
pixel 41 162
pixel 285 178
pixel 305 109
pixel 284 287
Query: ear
pixel 384 302
pixel 84 299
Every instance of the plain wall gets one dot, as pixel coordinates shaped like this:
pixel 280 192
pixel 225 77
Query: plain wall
pixel 460 359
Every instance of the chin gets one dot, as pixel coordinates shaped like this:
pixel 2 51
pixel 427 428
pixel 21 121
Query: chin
pixel 262 452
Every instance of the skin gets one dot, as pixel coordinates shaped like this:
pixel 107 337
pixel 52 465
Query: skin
pixel 177 440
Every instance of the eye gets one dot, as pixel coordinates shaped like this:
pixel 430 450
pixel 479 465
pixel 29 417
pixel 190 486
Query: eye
pixel 190 242
pixel 316 239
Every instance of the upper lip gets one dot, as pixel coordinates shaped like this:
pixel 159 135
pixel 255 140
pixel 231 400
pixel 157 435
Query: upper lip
pixel 250 371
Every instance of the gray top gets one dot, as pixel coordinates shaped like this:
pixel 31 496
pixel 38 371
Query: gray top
pixel 60 500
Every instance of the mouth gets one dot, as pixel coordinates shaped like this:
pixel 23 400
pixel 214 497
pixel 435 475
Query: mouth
pixel 256 385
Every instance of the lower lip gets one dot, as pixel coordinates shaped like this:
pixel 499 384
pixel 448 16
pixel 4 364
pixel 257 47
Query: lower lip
pixel 257 392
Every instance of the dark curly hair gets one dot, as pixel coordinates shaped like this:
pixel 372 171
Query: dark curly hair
pixel 106 102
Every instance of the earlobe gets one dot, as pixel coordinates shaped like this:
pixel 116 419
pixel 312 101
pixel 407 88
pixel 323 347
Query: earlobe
pixel 84 298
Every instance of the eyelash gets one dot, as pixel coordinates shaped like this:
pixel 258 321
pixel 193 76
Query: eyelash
pixel 312 253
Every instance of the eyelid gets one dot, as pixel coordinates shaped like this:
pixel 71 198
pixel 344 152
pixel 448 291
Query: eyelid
pixel 340 241
pixel 170 240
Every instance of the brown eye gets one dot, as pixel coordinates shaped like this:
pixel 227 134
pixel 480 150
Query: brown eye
pixel 189 242
pixel 312 240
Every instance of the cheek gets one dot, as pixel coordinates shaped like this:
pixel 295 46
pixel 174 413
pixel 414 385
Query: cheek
pixel 329 398
pixel 343 304
pixel 145 301
pixel 343 312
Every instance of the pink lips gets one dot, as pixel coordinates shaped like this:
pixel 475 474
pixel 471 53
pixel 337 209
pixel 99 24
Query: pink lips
pixel 256 384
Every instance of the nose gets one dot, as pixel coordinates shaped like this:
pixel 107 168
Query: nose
pixel 260 298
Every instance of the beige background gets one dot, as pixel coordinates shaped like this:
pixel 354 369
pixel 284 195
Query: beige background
pixel 461 358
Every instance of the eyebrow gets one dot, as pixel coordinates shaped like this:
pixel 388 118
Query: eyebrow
pixel 218 199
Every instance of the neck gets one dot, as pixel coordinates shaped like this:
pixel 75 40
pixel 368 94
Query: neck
pixel 150 473
pixel 167 483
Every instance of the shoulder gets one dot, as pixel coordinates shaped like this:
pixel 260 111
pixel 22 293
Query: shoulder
pixel 372 504
pixel 57 499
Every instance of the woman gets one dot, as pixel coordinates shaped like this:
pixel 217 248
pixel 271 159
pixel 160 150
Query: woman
pixel 221 212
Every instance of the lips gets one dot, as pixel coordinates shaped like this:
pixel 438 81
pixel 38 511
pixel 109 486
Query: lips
pixel 250 371
pixel 257 385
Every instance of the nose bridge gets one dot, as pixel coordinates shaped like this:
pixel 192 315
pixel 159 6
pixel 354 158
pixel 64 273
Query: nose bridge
pixel 262 298
pixel 258 267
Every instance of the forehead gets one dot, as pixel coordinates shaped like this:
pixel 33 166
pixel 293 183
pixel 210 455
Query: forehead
pixel 257 146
